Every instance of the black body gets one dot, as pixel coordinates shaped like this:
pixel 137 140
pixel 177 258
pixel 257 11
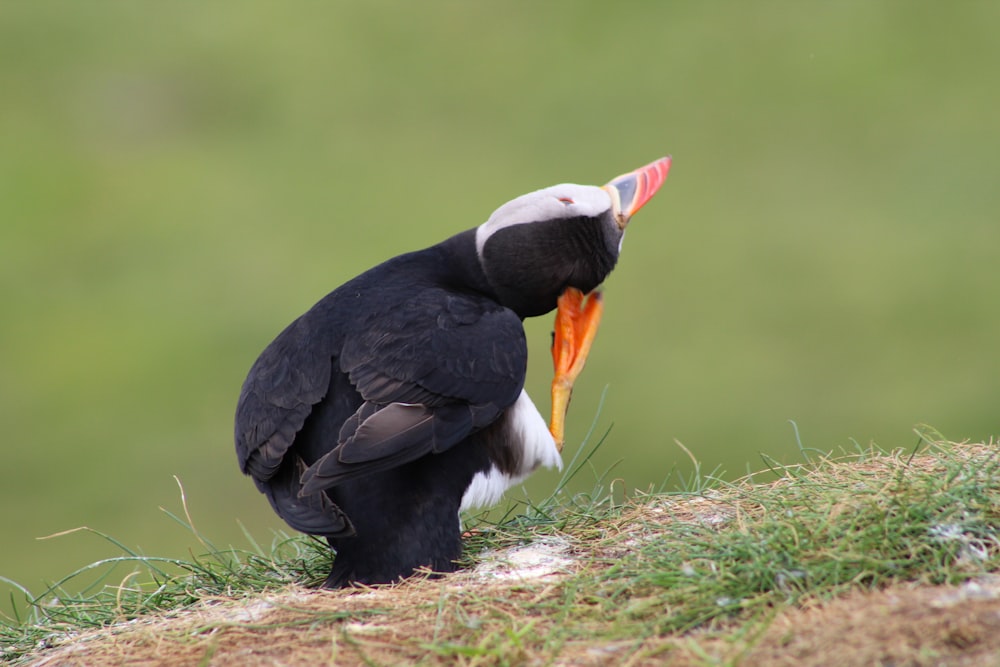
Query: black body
pixel 367 418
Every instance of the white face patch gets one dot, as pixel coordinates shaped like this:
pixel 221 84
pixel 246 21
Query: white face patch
pixel 555 203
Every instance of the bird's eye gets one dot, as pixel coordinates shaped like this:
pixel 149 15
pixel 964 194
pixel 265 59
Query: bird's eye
pixel 566 200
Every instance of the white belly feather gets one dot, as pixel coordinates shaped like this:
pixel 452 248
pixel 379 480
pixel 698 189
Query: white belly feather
pixel 527 430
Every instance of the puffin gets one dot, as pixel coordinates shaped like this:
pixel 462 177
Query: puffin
pixel 397 401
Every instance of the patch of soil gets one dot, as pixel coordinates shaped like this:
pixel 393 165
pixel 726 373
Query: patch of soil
pixel 898 627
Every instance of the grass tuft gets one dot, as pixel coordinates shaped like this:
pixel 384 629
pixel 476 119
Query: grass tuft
pixel 99 594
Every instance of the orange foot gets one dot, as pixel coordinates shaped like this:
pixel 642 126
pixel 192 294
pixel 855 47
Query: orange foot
pixel 576 325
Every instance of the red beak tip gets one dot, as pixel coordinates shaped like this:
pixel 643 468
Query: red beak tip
pixel 649 179
pixel 657 171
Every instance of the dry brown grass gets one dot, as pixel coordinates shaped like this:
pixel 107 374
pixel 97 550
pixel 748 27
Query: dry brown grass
pixel 479 618
pixel 943 625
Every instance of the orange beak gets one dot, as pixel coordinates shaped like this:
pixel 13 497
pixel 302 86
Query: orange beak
pixel 577 315
pixel 576 327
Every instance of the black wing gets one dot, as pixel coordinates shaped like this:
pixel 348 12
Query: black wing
pixel 290 376
pixel 425 372
pixel 430 371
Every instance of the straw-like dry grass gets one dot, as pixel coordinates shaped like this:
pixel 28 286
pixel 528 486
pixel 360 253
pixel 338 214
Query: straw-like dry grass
pixel 878 558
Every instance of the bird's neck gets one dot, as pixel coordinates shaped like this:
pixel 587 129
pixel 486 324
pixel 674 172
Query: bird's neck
pixel 462 261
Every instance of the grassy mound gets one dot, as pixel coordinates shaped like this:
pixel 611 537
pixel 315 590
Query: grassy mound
pixel 873 557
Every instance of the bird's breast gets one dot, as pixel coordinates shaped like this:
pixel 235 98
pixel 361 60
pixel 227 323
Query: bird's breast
pixel 523 444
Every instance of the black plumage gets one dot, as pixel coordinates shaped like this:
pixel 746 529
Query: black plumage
pixel 368 418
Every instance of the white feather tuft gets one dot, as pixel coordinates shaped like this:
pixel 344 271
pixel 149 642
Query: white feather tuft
pixel 528 431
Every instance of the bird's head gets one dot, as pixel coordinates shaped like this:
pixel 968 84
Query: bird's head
pixel 532 248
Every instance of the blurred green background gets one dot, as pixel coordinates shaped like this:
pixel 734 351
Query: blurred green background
pixel 178 181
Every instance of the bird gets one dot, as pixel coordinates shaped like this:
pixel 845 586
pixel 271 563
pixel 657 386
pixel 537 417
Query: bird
pixel 397 401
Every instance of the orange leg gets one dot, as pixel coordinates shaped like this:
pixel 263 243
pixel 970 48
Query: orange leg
pixel 577 318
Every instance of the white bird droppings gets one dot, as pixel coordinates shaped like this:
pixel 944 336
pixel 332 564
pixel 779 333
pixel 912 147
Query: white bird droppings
pixel 546 558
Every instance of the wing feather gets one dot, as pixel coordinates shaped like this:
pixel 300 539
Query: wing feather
pixel 290 376
pixel 426 371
